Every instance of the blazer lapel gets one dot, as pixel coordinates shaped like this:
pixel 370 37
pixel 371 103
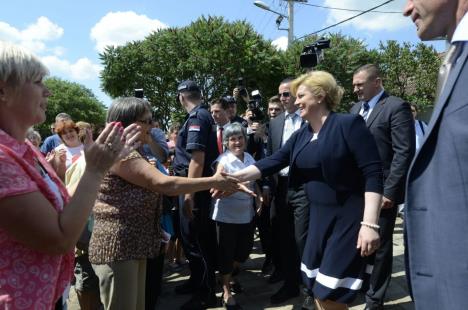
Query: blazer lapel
pixel 445 95
pixel 279 132
pixel 355 108
pixel 442 102
pixel 377 109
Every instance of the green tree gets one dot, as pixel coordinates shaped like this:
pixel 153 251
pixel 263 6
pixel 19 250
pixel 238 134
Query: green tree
pixel 210 51
pixel 344 56
pixel 74 99
pixel 410 72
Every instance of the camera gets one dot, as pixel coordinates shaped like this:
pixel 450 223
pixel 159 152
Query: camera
pixel 312 54
pixel 254 105
pixel 139 93
pixel 241 87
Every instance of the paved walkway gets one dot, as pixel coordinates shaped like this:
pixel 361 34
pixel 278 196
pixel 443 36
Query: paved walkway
pixel 257 291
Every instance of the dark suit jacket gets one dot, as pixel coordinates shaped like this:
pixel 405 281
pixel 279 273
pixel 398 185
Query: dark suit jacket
pixel 436 213
pixel 349 156
pixel 392 125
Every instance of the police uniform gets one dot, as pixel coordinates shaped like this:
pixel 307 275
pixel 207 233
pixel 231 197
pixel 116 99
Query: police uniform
pixel 198 234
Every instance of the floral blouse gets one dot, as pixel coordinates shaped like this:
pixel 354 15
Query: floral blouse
pixel 29 279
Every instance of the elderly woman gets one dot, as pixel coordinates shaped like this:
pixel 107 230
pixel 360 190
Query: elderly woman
pixel 39 223
pixel 233 214
pixel 34 137
pixel 125 222
pixel 336 157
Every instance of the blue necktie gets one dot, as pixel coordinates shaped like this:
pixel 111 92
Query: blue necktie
pixel 365 110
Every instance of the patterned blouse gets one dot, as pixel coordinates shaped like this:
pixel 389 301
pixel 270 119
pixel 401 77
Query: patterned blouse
pixel 126 221
pixel 29 279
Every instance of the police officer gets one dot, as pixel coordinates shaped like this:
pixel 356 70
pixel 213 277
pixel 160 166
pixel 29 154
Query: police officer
pixel 195 151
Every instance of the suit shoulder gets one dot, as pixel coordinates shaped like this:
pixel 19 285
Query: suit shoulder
pixel 397 102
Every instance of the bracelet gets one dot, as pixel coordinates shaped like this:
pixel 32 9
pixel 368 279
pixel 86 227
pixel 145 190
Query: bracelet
pixel 375 226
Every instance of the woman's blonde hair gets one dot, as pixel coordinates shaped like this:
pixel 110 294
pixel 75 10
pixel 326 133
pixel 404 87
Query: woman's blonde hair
pixel 320 83
pixel 17 65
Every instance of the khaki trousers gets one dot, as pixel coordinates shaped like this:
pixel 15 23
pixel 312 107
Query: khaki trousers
pixel 122 284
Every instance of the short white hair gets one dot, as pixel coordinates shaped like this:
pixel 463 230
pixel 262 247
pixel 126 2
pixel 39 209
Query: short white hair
pixel 18 65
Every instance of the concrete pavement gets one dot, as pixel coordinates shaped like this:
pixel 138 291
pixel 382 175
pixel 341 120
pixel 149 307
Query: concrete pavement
pixel 257 291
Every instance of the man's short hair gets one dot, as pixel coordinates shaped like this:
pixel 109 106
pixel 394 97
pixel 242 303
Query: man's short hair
pixel 287 80
pixel 372 70
pixel 190 90
pixel 222 102
pixel 62 116
pixel 275 99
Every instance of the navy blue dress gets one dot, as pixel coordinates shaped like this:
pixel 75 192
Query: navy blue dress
pixel 336 169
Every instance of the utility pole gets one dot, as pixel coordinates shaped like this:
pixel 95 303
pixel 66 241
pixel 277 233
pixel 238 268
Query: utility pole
pixel 290 16
pixel 290 22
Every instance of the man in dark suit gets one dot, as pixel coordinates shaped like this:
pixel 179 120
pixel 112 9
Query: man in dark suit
pixel 436 214
pixel 391 123
pixel 291 206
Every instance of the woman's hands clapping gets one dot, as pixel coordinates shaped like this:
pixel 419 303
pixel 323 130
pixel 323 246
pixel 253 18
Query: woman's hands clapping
pixel 113 144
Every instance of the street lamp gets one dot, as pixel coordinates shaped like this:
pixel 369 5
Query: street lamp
pixel 290 17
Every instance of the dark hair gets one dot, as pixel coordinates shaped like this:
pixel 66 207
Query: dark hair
pixel 287 80
pixel 127 110
pixel 192 95
pixel 372 70
pixel 222 102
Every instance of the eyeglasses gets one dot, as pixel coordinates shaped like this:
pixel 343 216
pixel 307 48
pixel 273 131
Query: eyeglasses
pixel 147 121
pixel 284 94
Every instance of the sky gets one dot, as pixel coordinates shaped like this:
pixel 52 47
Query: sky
pixel 69 35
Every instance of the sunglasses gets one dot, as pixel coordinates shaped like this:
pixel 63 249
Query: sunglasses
pixel 284 94
pixel 147 121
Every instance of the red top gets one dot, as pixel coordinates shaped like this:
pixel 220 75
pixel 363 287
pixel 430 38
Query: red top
pixel 29 279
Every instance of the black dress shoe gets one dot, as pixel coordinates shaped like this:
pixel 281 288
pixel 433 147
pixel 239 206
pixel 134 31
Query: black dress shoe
pixel 284 294
pixel 267 266
pixel 231 306
pixel 275 277
pixel 184 289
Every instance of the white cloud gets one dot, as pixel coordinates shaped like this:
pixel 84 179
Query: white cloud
pixel 82 69
pixel 368 21
pixel 34 36
pixel 118 28
pixel 281 43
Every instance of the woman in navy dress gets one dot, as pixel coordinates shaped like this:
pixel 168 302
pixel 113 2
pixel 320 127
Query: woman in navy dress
pixel 336 157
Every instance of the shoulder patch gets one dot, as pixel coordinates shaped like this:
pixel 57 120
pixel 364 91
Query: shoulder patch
pixel 194 128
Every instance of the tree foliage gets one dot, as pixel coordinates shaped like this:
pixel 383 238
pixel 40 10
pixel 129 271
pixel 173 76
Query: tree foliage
pixel 210 51
pixel 74 99
pixel 410 72
pixel 214 53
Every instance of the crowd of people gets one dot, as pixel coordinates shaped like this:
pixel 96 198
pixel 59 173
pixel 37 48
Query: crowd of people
pixel 106 211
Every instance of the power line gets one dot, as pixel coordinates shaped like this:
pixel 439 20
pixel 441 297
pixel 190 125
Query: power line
pixel 348 19
pixel 343 9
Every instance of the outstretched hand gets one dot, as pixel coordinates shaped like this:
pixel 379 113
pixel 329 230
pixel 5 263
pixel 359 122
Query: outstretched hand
pixel 228 185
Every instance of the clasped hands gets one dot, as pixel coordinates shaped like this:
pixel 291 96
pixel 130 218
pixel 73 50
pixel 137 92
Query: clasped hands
pixel 226 185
